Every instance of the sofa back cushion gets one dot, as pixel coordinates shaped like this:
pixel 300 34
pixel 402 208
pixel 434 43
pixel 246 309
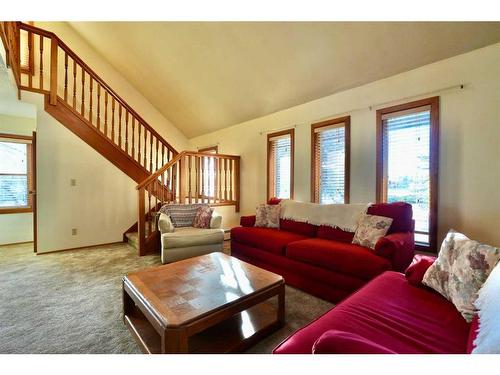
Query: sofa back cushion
pixel 401 214
pixel 298 227
pixel 182 215
pixel 334 234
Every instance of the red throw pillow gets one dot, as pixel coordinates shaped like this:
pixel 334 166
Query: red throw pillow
pixel 340 342
pixel 417 269
pixel 401 214
pixel 274 201
pixel 247 221
pixel 203 217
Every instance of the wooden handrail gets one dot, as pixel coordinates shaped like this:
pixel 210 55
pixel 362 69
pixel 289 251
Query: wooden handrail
pixel 160 171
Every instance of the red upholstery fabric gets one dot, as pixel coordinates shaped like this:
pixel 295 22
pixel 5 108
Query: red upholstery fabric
pixel 304 229
pixel 474 327
pixel 416 271
pixel 247 221
pixel 321 282
pixel 274 200
pixel 269 239
pixel 398 247
pixel 400 212
pixel 338 256
pixel 334 234
pixel 390 312
pixel 340 342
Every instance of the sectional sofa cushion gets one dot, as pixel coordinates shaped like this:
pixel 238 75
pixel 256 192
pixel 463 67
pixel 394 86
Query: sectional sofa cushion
pixel 341 257
pixel 400 212
pixel 269 239
pixel 334 234
pixel 392 313
pixel 304 229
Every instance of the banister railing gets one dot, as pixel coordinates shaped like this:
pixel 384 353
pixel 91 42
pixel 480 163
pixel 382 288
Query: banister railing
pixel 58 71
pixel 190 177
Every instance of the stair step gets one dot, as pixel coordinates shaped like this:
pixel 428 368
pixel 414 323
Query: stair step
pixel 133 238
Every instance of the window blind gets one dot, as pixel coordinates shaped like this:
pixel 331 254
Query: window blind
pixel 406 143
pixel 280 164
pixel 13 174
pixel 330 164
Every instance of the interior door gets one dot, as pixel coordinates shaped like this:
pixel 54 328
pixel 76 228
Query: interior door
pixel 32 190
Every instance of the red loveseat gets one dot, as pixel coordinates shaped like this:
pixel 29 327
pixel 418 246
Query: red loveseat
pixel 390 314
pixel 321 260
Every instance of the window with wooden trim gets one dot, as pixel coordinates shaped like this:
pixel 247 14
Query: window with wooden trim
pixel 280 153
pixel 15 174
pixel 407 163
pixel 330 160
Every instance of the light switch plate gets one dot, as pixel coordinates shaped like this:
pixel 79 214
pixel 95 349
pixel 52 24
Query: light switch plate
pixel 74 231
pixel 72 182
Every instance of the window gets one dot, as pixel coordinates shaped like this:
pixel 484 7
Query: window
pixel 208 183
pixel 280 149
pixel 330 144
pixel 407 163
pixel 15 174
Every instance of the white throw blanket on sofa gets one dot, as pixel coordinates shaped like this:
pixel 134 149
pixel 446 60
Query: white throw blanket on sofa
pixel 342 216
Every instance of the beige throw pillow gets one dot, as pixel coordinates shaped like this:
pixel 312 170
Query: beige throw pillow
pixel 370 229
pixel 268 216
pixel 462 267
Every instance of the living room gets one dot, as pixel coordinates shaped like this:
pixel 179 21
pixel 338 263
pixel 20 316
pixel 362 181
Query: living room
pixel 301 185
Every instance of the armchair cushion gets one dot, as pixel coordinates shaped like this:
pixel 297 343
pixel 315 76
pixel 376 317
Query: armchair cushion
pixel 165 225
pixel 215 221
pixel 189 236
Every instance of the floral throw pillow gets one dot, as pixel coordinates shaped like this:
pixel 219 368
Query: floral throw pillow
pixel 462 267
pixel 202 217
pixel 370 229
pixel 268 216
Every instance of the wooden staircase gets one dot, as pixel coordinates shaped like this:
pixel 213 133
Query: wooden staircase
pixel 80 100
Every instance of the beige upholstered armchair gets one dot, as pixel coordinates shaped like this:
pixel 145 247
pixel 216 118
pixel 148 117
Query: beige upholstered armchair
pixel 187 242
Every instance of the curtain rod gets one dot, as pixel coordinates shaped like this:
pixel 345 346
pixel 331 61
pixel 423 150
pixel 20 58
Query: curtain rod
pixel 460 86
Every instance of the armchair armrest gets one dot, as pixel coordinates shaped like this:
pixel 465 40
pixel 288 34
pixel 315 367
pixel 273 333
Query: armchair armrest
pixel 165 225
pixel 215 221
pixel 340 342
pixel 247 221
pixel 399 248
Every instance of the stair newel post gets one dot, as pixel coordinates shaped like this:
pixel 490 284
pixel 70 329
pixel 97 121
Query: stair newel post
pixel 141 223
pixel 182 181
pixel 190 195
pixel 40 63
pixel 53 70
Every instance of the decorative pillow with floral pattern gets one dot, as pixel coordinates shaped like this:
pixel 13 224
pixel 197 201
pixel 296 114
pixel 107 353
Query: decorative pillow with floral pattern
pixel 203 216
pixel 268 215
pixel 371 228
pixel 462 267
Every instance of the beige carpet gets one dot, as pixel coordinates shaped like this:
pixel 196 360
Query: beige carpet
pixel 70 302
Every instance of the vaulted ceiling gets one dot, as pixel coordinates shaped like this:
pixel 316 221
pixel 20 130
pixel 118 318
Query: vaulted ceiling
pixel 205 76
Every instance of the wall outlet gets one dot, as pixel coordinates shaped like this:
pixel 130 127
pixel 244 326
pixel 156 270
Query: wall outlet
pixel 74 231
pixel 72 182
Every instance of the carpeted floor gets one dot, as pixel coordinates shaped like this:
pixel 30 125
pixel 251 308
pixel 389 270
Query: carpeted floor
pixel 70 302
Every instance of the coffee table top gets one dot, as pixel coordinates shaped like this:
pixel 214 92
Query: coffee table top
pixel 181 292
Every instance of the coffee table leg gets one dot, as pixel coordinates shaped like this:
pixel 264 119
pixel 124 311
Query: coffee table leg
pixel 281 306
pixel 174 341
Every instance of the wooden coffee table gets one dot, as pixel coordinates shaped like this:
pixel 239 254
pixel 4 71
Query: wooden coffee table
pixel 209 304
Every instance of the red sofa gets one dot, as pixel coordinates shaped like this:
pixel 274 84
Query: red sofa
pixel 390 314
pixel 322 260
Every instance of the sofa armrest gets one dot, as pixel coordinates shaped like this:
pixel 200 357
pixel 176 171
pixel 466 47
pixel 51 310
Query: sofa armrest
pixel 247 221
pixel 215 221
pixel 165 225
pixel 340 342
pixel 418 267
pixel 399 248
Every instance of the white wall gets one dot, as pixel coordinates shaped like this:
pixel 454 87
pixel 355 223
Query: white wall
pixel 469 197
pixel 17 227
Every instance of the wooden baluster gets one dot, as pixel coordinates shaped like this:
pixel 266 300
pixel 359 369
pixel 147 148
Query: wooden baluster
pixel 139 142
pixel 216 179
pixel 202 175
pixel 220 179
pixel 162 176
pixel 65 76
pixel 145 147
pixel 126 131
pixel 151 152
pixel 74 84
pixel 41 63
pixel 133 137
pixel 197 178
pixel 120 125
pixel 162 155
pixel 91 98
pixel 230 192
pixel 225 179
pixel 113 119
pixel 237 184
pixel 83 93
pixel 30 59
pixel 106 113
pixel 189 179
pixel 98 106
pixel 157 152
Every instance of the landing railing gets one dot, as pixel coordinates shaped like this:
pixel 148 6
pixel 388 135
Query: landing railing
pixel 43 63
pixel 190 177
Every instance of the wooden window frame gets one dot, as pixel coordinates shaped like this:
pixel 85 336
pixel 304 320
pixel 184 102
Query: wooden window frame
pixel 381 192
pixel 29 173
pixel 346 120
pixel 271 188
